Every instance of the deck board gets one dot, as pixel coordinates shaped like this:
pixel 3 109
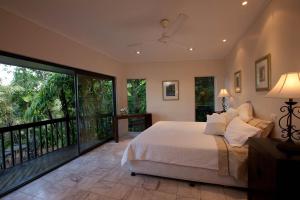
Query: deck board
pixel 20 174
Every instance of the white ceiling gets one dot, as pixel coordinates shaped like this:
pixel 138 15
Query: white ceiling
pixel 111 25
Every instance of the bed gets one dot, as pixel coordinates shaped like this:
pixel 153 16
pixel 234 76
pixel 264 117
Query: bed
pixel 181 150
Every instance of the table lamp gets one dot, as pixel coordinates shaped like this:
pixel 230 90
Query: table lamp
pixel 223 93
pixel 288 87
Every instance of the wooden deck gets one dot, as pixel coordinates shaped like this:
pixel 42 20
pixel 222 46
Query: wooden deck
pixel 21 174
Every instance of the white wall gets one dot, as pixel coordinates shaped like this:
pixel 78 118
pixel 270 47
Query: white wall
pixel 276 31
pixel 20 36
pixel 185 72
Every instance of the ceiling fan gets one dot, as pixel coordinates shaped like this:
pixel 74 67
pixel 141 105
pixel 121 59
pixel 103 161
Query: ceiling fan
pixel 169 30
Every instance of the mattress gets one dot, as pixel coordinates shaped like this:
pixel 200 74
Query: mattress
pixel 177 143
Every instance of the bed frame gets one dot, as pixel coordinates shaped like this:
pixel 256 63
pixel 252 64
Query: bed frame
pixel 193 174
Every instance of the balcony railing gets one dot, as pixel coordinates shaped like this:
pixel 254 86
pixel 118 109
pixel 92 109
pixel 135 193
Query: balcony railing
pixel 24 142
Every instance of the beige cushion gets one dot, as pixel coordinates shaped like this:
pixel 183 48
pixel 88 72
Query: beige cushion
pixel 264 125
pixel 216 124
pixel 245 112
pixel 238 132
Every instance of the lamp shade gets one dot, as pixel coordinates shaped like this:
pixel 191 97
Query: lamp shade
pixel 288 86
pixel 223 93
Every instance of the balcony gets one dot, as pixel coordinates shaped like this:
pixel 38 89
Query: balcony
pixel 28 151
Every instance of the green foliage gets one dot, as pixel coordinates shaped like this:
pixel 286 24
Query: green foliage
pixel 136 91
pixel 136 94
pixel 204 97
pixel 34 95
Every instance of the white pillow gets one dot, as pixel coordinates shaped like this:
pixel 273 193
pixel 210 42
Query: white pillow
pixel 230 114
pixel 238 132
pixel 245 112
pixel 216 124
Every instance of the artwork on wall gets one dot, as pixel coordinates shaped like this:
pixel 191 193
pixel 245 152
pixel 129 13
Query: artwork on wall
pixel 170 90
pixel 263 73
pixel 238 82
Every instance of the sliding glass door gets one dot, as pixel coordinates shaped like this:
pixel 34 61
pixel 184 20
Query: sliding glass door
pixel 95 110
pixel 49 115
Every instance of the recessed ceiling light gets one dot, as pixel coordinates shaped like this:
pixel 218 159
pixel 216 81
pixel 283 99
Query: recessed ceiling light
pixel 138 52
pixel 224 40
pixel 244 3
pixel 191 49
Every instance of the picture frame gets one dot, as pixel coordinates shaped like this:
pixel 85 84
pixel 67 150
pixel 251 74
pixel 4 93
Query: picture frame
pixel 263 73
pixel 170 89
pixel 238 81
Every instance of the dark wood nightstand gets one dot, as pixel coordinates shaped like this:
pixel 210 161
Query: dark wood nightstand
pixel 272 174
pixel 147 121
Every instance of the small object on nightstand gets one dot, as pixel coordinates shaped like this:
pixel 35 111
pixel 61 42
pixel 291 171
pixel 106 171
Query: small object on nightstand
pixel 223 93
pixel 288 87
pixel 272 174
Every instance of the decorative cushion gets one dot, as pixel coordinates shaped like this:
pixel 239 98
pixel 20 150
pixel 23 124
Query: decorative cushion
pixel 238 132
pixel 245 112
pixel 230 114
pixel 216 124
pixel 264 125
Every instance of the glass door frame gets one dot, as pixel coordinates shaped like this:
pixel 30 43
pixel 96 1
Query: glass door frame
pixel 100 76
pixel 59 68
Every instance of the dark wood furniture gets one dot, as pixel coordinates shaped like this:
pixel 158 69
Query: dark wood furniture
pixel 147 120
pixel 272 174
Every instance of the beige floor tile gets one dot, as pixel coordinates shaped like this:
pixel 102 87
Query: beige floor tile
pixel 168 186
pixel 186 198
pixel 133 181
pixel 150 183
pixel 111 189
pixel 114 175
pixel 99 175
pixel 212 192
pixel 156 195
pixel 94 196
pixel 20 196
pixel 76 195
pixel 139 193
pixel 234 194
pixel 185 190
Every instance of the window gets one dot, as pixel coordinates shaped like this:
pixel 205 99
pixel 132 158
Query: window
pixel 136 90
pixel 49 114
pixel 204 97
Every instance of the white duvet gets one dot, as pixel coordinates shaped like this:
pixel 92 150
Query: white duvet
pixel 179 143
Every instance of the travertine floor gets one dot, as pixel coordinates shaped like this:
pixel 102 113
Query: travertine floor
pixel 98 175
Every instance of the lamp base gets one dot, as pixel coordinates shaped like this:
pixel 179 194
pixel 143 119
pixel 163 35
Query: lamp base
pixel 289 147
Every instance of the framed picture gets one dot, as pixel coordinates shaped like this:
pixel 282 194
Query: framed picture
pixel 170 90
pixel 238 82
pixel 263 73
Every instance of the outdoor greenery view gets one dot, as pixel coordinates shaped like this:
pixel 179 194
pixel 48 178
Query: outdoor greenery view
pixel 204 97
pixel 30 95
pixel 38 113
pixel 95 109
pixel 37 110
pixel 42 124
pixel 136 94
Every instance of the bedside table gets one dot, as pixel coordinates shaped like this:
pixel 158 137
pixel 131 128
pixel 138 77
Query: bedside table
pixel 271 173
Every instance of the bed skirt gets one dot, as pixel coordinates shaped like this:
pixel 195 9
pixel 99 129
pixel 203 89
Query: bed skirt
pixel 183 173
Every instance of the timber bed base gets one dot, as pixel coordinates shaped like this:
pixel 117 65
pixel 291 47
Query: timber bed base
pixel 183 173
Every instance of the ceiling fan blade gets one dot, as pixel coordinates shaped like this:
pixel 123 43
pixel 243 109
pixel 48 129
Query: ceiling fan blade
pixel 176 25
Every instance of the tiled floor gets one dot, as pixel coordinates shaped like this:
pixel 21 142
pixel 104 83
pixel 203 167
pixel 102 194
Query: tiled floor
pixel 98 175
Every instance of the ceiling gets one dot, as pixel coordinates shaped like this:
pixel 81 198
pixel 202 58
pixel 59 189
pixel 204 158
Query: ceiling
pixel 109 26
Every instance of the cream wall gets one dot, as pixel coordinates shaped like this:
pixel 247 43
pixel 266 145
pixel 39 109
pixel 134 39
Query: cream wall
pixel 20 36
pixel 276 31
pixel 184 108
